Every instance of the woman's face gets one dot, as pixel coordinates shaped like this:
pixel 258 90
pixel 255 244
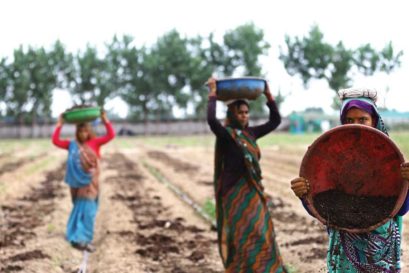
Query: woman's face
pixel 358 116
pixel 83 134
pixel 242 114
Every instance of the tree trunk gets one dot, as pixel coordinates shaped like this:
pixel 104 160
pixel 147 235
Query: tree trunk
pixel 33 124
pixel 145 117
pixel 20 126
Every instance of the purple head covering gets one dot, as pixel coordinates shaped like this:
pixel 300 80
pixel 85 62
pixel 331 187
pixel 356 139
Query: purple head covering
pixel 362 105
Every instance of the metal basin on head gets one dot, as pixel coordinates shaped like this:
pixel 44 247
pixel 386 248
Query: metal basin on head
pixel 240 88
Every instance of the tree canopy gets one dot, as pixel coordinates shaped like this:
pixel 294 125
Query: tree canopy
pixel 311 57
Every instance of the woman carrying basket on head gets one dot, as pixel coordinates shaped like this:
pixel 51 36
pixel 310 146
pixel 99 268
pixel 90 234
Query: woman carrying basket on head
pixel 82 175
pixel 377 251
pixel 245 229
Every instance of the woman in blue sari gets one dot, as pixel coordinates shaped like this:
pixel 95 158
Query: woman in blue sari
pixel 377 251
pixel 82 175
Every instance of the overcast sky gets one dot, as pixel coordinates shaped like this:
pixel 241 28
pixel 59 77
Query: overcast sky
pixel 76 23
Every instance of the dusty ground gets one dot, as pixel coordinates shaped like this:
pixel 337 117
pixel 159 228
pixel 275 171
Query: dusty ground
pixel 147 220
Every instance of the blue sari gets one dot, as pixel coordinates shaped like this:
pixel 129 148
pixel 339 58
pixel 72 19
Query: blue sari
pixel 76 176
pixel 82 176
pixel 80 226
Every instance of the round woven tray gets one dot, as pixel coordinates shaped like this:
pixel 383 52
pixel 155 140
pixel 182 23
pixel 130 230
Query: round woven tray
pixel 359 162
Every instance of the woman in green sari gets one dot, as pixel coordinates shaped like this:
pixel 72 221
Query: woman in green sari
pixel 246 236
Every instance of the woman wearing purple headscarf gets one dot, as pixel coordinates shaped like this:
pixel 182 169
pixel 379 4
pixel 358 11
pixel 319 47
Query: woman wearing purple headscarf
pixel 380 249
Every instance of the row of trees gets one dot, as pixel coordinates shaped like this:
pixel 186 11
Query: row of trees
pixel 171 72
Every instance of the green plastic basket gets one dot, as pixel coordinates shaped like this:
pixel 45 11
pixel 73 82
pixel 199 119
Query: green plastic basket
pixel 81 115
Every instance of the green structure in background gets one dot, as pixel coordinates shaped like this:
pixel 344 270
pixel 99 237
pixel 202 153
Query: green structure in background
pixel 297 123
pixel 312 120
pixel 395 120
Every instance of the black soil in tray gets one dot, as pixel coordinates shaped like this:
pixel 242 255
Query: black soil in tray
pixel 351 211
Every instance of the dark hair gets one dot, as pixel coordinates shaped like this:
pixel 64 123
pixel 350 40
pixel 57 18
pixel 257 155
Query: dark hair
pixel 89 129
pixel 236 104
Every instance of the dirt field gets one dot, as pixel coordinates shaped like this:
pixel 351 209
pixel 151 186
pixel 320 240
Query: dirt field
pixel 151 216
